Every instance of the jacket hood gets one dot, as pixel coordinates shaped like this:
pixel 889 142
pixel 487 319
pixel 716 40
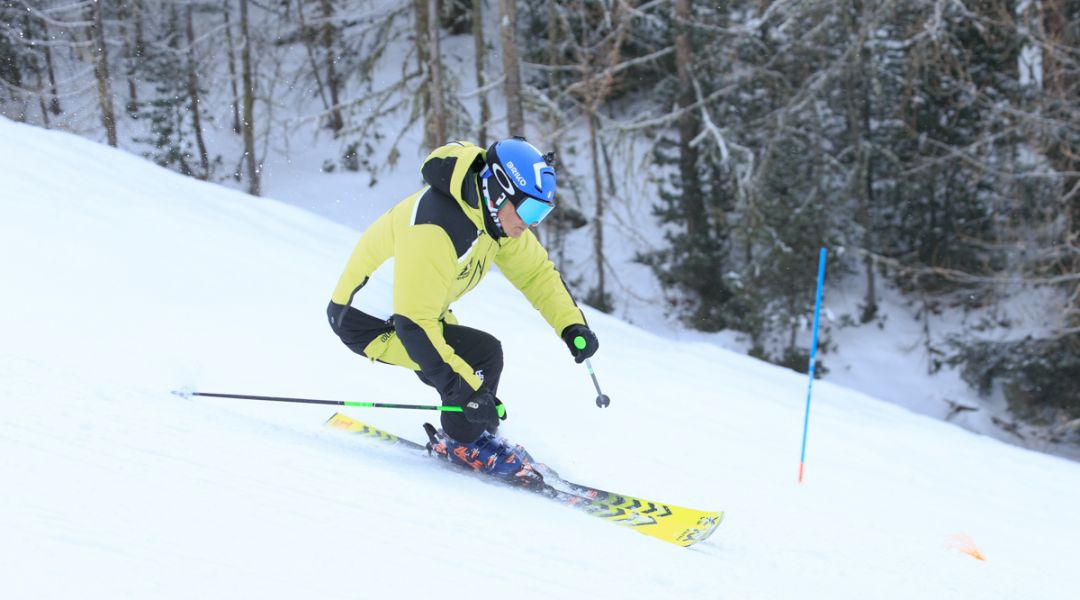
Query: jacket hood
pixel 453 169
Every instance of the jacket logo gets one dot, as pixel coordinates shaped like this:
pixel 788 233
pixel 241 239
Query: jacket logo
pixel 464 273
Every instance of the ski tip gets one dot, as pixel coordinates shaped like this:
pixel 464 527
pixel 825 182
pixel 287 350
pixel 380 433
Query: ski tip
pixel 185 392
pixel 706 526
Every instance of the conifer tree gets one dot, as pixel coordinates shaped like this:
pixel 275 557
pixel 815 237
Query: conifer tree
pixel 171 137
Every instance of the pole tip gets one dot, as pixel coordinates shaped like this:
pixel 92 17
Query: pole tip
pixel 185 392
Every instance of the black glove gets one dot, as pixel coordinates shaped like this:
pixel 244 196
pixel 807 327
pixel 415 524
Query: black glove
pixel 481 407
pixel 581 341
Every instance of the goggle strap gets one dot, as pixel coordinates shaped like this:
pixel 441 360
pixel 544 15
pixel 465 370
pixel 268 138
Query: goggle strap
pixel 492 210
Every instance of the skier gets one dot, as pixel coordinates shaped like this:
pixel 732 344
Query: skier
pixel 435 246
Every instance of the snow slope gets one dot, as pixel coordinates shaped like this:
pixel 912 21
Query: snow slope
pixel 122 281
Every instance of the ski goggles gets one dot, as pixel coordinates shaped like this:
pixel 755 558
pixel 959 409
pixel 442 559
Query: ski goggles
pixel 533 210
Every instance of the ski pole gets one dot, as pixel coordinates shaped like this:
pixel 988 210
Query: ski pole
pixel 602 399
pixel 189 393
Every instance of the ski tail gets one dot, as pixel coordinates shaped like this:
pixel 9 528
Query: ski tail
pixel 673 524
pixel 344 423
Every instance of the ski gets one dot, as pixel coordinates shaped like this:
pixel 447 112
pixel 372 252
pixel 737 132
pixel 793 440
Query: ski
pixel 681 525
pixel 673 524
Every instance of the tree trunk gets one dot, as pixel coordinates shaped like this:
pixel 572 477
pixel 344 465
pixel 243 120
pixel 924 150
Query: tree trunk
pixel 688 124
pixel 423 58
pixel 193 94
pixel 101 72
pixel 438 99
pixel 44 109
pixel 333 80
pixel 40 73
pixel 858 92
pixel 481 75
pixel 12 65
pixel 40 78
pixel 598 220
pixel 554 77
pixel 54 103
pixel 132 105
pixel 140 39
pixel 515 115
pixel 253 168
pixel 139 50
pixel 554 230
pixel 232 69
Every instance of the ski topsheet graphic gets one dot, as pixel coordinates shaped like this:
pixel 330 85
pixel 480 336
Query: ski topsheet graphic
pixel 674 524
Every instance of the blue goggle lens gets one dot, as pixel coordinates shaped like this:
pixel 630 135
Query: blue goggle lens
pixel 532 211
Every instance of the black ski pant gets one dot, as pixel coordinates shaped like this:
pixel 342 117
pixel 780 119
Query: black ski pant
pixel 481 350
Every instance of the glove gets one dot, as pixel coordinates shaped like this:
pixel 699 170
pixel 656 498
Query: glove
pixel 581 341
pixel 481 407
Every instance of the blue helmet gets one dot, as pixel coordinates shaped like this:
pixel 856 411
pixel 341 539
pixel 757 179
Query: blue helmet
pixel 523 176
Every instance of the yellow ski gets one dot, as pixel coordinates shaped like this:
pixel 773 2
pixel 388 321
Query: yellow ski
pixel 674 524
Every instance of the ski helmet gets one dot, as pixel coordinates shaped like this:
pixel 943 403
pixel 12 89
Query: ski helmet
pixel 523 176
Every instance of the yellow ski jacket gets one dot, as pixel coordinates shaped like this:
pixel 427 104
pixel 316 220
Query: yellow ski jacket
pixel 435 246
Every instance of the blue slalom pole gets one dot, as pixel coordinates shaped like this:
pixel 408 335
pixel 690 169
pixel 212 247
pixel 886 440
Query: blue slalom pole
pixel 813 355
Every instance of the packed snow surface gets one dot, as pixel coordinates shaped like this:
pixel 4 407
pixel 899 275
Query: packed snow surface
pixel 123 281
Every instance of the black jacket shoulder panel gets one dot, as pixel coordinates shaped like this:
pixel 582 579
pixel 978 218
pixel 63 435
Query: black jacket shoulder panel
pixel 436 208
pixel 438 173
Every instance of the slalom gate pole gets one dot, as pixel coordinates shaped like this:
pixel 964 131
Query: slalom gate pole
pixel 189 394
pixel 813 356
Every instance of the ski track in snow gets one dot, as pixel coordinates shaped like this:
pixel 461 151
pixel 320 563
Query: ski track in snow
pixel 123 281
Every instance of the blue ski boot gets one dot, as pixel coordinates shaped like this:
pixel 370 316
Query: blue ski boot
pixel 489 454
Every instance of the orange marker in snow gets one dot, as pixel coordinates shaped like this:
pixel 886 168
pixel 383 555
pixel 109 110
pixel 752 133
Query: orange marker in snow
pixel 964 543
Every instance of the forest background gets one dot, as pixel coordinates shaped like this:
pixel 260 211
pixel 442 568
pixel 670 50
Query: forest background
pixel 710 148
